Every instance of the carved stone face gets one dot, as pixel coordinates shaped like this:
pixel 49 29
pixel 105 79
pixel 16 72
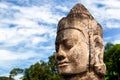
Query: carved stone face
pixel 72 52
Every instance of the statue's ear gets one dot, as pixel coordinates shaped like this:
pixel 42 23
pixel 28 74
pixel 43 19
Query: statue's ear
pixel 99 49
pixel 100 67
pixel 99 46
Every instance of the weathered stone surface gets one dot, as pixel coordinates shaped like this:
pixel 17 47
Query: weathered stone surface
pixel 79 46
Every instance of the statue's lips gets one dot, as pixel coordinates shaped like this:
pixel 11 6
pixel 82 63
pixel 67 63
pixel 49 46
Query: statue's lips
pixel 62 64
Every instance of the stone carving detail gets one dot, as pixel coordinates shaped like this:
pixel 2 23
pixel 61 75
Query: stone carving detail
pixel 79 46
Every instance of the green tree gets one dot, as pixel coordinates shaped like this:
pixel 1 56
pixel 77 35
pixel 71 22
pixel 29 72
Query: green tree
pixel 15 72
pixel 108 46
pixel 42 71
pixel 112 60
pixel 5 78
pixel 53 69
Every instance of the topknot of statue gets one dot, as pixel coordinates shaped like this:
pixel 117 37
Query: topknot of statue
pixel 80 11
pixel 79 18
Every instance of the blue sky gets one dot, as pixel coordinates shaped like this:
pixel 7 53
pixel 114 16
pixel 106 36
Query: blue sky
pixel 28 28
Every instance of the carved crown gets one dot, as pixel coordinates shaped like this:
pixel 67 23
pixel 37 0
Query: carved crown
pixel 79 18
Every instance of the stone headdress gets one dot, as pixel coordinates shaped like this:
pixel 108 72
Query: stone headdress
pixel 79 18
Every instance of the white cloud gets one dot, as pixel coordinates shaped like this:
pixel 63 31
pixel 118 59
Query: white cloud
pixel 30 27
pixel 6 55
pixel 107 38
pixel 114 39
pixel 62 8
pixel 37 40
pixel 111 3
pixel 117 41
pixel 18 77
pixel 110 9
pixel 113 13
pixel 112 24
pixel 42 13
pixel 28 16
pixel 6 34
pixel 3 5
pixel 35 30
pixel 25 20
pixel 5 74
pixel 10 59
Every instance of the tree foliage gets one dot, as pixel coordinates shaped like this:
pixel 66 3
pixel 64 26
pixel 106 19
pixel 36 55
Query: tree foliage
pixel 42 71
pixel 112 60
pixel 5 78
pixel 15 71
pixel 108 46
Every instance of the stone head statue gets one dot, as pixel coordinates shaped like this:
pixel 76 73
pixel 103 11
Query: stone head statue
pixel 79 46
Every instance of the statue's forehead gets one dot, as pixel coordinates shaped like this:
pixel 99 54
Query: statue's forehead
pixel 69 34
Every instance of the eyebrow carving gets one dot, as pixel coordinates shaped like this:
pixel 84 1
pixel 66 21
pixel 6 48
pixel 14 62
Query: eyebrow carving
pixel 72 28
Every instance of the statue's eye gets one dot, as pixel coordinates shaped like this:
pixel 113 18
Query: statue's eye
pixel 68 44
pixel 57 46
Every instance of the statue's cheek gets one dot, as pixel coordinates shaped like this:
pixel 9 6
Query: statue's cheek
pixel 74 54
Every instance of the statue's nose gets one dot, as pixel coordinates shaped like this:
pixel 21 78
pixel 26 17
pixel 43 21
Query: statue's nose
pixel 61 55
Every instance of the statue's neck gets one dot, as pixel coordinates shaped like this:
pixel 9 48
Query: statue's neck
pixel 73 78
pixel 83 76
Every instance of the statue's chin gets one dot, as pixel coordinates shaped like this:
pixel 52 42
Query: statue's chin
pixel 68 70
pixel 65 70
